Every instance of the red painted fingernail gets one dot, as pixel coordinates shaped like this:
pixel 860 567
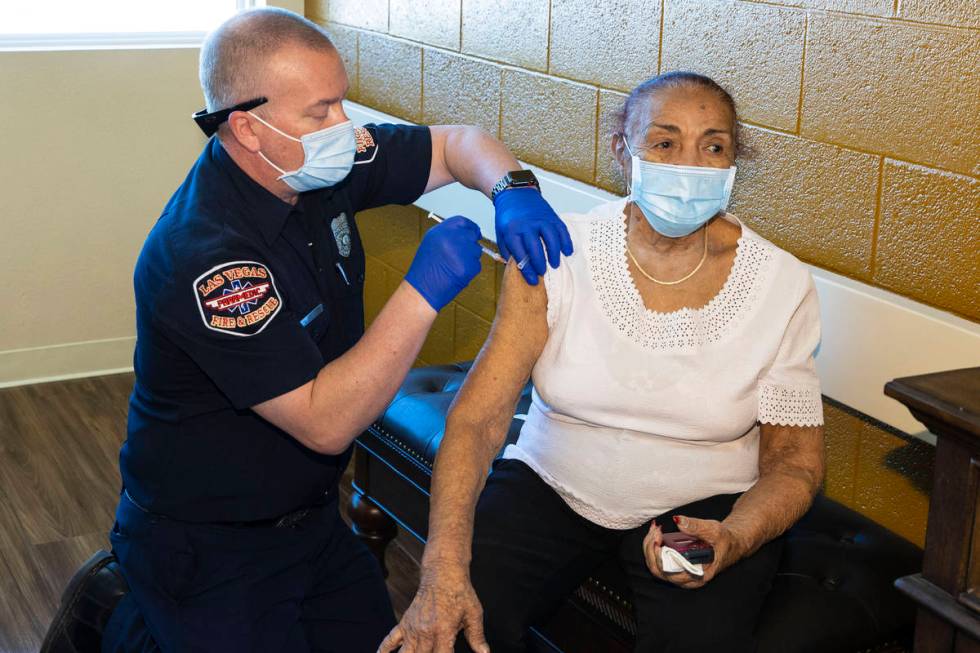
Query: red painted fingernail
pixel 677 519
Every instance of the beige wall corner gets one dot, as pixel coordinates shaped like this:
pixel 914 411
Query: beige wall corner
pixel 94 143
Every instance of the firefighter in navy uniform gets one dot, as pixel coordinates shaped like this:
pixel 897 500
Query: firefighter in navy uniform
pixel 253 369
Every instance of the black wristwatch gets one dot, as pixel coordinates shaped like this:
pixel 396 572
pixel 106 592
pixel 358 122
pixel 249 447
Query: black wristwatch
pixel 514 179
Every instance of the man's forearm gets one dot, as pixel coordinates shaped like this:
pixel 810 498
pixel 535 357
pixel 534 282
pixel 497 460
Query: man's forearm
pixel 351 391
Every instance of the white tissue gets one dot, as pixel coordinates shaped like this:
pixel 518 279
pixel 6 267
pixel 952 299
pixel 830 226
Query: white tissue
pixel 671 561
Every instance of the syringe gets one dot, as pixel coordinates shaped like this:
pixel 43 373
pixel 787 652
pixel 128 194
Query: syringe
pixel 486 250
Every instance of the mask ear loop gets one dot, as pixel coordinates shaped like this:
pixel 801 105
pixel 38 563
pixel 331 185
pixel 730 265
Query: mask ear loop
pixel 278 169
pixel 278 131
pixel 629 184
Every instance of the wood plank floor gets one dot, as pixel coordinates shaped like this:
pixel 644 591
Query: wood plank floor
pixel 59 482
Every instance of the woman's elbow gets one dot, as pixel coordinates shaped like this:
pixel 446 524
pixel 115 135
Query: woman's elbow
pixel 816 463
pixel 818 473
pixel 475 430
pixel 810 475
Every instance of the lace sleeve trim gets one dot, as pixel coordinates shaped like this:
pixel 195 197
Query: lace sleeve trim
pixel 790 405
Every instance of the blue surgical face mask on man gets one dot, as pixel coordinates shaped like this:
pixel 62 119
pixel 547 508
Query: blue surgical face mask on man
pixel 328 156
pixel 678 200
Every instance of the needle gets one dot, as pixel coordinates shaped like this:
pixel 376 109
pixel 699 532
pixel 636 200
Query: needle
pixel 486 250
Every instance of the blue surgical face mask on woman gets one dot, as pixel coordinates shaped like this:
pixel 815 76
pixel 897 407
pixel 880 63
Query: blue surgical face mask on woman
pixel 328 156
pixel 678 200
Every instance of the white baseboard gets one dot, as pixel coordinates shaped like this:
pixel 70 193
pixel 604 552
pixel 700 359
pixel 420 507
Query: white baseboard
pixel 870 335
pixel 66 361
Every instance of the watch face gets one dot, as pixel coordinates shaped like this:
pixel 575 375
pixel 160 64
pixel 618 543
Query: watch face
pixel 523 177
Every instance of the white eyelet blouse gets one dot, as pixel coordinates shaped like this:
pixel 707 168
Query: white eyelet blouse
pixel 636 412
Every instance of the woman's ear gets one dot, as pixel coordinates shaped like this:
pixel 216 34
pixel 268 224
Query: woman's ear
pixel 618 146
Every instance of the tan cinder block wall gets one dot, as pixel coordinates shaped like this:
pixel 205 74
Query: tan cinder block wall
pixel 859 117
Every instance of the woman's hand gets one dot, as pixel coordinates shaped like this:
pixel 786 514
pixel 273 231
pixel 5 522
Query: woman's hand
pixel 444 604
pixel 728 550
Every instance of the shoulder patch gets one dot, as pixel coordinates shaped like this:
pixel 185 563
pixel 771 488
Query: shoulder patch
pixel 366 147
pixel 238 297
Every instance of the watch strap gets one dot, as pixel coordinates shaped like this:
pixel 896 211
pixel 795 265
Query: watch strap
pixel 514 179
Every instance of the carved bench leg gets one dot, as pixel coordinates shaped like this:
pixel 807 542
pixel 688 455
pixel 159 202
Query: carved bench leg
pixel 372 525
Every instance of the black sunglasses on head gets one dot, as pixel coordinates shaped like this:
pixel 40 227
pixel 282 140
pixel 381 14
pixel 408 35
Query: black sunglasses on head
pixel 209 122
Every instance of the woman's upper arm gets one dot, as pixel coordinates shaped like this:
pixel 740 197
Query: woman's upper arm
pixel 796 450
pixel 503 366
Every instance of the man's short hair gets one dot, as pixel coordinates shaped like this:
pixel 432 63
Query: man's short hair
pixel 234 54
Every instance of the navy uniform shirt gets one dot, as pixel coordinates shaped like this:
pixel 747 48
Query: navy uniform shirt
pixel 241 297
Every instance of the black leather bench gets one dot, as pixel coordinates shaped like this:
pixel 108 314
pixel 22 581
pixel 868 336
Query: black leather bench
pixel 834 590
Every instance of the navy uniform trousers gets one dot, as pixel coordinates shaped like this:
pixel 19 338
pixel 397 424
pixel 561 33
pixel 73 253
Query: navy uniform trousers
pixel 204 587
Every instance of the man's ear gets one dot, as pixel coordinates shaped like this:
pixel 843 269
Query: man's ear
pixel 240 128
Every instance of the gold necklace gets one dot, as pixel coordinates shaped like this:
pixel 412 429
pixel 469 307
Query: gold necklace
pixel 704 257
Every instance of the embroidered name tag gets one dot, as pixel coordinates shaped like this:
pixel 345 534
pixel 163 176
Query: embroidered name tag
pixel 312 315
pixel 238 297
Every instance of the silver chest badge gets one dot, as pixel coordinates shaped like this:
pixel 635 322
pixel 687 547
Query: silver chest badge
pixel 341 233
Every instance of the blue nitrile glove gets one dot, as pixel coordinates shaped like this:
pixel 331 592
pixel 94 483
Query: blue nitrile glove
pixel 447 260
pixel 523 220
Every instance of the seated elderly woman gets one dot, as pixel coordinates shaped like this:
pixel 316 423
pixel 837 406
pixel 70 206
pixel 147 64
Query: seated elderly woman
pixel 674 388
